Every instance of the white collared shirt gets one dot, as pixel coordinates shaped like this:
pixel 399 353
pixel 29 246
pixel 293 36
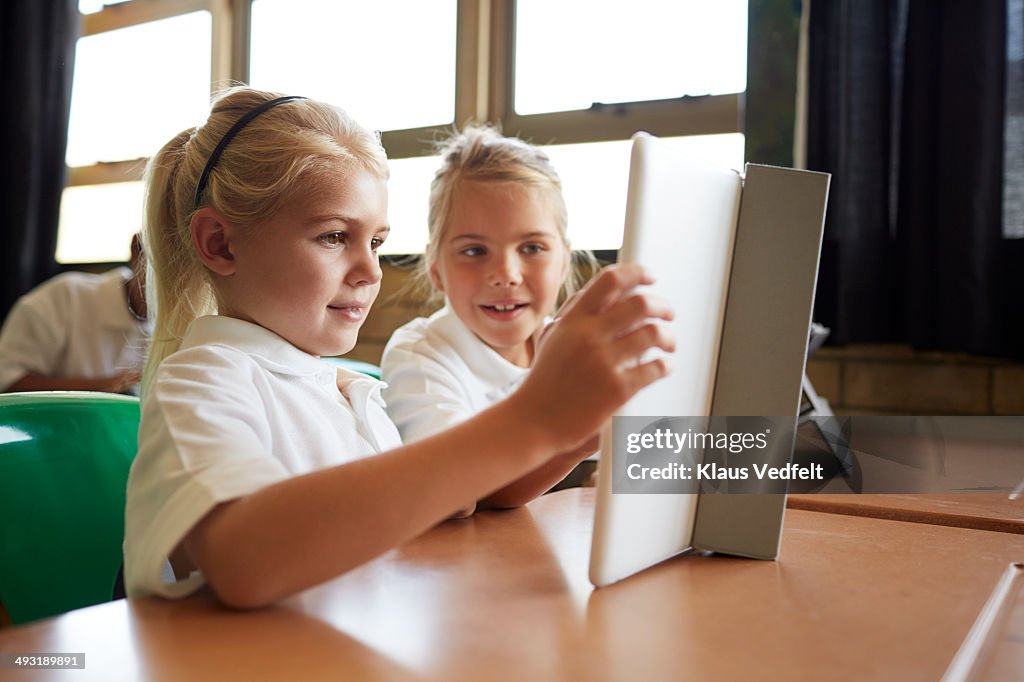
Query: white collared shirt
pixel 236 409
pixel 439 373
pixel 76 324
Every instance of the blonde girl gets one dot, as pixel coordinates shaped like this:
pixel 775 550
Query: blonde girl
pixel 499 253
pixel 262 470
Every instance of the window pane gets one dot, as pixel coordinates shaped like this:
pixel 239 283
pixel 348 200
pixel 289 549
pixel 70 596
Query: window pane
pixel 594 181
pixel 595 177
pixel 97 222
pixel 135 88
pixel 572 53
pixel 408 195
pixel 391 63
pixel 93 6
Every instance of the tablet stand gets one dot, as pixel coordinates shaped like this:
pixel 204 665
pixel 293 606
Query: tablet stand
pixel 763 357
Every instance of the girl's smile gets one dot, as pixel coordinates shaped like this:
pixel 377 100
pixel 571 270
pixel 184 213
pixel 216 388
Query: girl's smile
pixel 354 312
pixel 505 310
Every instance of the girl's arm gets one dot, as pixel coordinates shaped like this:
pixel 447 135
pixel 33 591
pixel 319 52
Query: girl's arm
pixel 540 480
pixel 302 531
pixel 426 396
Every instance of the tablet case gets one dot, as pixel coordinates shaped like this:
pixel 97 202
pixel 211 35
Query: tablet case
pixel 762 358
pixel 765 231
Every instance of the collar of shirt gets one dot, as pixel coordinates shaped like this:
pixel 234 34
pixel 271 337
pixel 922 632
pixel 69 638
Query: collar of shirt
pixel 112 308
pixel 483 361
pixel 275 354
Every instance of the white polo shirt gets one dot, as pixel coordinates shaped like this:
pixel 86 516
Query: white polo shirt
pixel 76 324
pixel 236 409
pixel 439 373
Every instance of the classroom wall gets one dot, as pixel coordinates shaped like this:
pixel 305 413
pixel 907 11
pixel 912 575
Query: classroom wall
pixel 896 379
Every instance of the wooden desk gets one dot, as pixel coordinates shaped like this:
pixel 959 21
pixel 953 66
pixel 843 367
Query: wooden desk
pixel 980 511
pixel 962 462
pixel 504 596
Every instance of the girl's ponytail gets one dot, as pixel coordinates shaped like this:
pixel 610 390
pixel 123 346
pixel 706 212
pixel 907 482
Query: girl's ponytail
pixel 177 290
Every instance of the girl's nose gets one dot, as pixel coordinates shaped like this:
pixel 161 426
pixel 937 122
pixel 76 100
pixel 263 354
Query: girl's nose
pixel 506 273
pixel 366 269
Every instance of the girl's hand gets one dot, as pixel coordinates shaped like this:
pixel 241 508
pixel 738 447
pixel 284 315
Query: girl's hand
pixel 122 382
pixel 588 363
pixel 562 309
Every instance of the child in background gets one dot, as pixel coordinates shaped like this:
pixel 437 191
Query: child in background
pixel 262 470
pixel 499 253
pixel 79 332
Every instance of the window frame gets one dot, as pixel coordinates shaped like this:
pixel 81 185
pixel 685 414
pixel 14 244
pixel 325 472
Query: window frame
pixel 222 64
pixel 688 115
pixel 484 86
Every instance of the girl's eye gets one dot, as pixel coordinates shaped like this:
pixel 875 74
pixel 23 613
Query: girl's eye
pixel 473 251
pixel 531 249
pixel 376 243
pixel 332 239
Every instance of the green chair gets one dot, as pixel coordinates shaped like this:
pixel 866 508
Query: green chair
pixel 355 366
pixel 64 460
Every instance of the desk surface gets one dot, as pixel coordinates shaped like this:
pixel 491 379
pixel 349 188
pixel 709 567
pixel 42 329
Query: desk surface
pixel 981 511
pixel 961 467
pixel 504 596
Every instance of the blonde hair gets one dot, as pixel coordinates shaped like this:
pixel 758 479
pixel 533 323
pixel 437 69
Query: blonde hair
pixel 481 153
pixel 275 155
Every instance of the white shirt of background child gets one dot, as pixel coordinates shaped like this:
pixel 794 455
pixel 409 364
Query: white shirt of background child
pixel 439 373
pixel 74 325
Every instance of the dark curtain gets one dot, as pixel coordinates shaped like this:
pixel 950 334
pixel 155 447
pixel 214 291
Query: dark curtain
pixel 37 47
pixel 907 108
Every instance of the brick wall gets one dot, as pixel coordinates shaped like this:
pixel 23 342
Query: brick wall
pixel 894 379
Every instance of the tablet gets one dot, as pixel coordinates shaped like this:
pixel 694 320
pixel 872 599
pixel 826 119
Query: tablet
pixel 681 218
pixel 738 259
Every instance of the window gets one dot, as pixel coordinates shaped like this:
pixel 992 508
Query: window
pixel 542 69
pixel 128 97
pixel 594 177
pixel 356 56
pixel 646 50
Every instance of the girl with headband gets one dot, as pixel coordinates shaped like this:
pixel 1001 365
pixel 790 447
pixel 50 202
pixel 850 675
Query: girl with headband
pixel 263 470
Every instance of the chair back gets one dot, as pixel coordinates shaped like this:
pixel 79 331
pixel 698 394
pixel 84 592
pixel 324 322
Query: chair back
pixel 64 461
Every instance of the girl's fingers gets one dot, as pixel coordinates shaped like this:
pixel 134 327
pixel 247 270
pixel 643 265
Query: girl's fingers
pixel 608 287
pixel 568 304
pixel 592 445
pixel 562 311
pixel 632 310
pixel 631 346
pixel 646 373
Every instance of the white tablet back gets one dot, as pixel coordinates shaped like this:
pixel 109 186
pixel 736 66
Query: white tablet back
pixel 681 220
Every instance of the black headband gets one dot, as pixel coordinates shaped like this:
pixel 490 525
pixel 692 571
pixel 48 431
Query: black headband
pixel 228 136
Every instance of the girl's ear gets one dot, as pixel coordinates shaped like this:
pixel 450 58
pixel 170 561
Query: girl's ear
pixel 435 277
pixel 212 240
pixel 567 264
